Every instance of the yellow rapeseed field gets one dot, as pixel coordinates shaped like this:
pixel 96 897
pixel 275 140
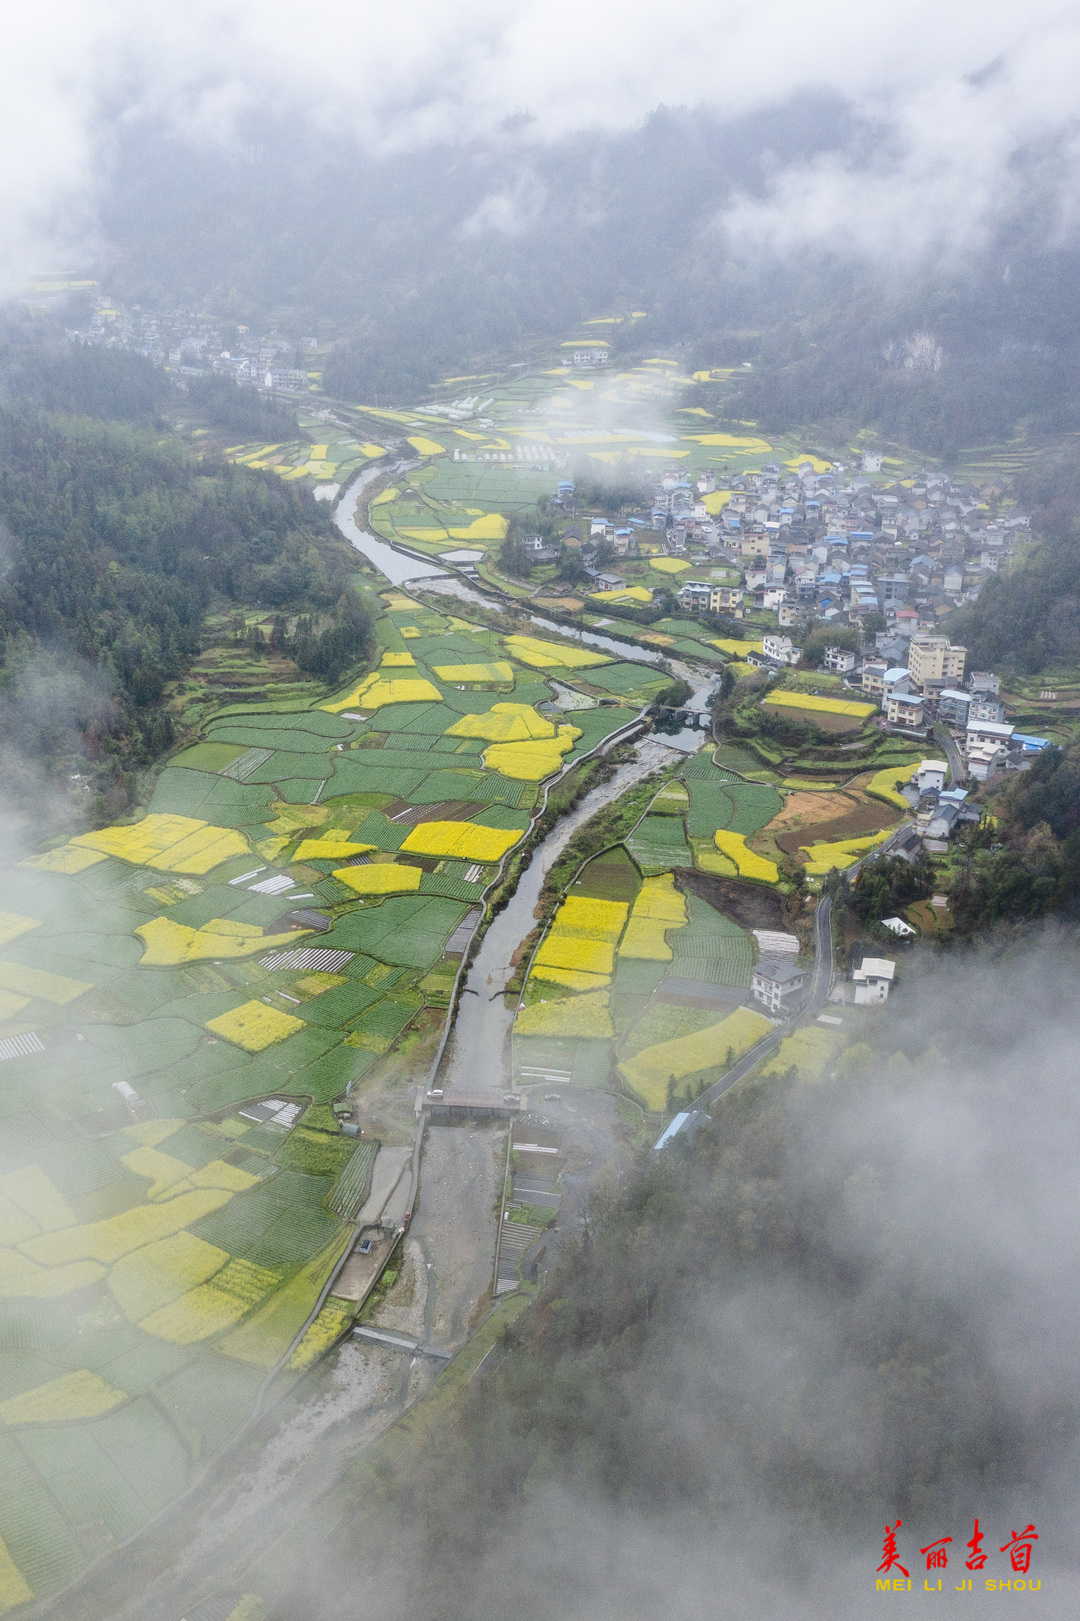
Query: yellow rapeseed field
pixel 659 907
pixel 374 692
pixel 169 943
pixel 737 649
pixel 72 1396
pixel 427 447
pixel 551 655
pixel 883 784
pixel 574 979
pixel 167 842
pixel 810 1049
pixel 23 1279
pixel 67 859
pixel 160 1273
pixel 668 565
pixel 468 840
pixel 254 1026
pixel 844 853
pixel 649 1072
pixel 568 951
pixel 498 670
pixel 749 864
pixel 328 1326
pixel 330 849
pixel 12 925
pixel 108 1240
pixel 585 1017
pixel 14 1590
pixel 531 762
pixel 39 1198
pixel 629 593
pixel 504 723
pixel 397 661
pixel 380 878
pixel 169 1176
pixel 39 982
pixel 582 936
pixel 828 706
pixel 212 1307
pixel 491 526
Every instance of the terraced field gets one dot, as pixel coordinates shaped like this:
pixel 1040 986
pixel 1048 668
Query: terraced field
pixel 181 1001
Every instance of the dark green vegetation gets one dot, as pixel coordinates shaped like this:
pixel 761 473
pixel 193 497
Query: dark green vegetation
pixel 782 1328
pixel 1029 864
pixel 118 541
pixel 1030 618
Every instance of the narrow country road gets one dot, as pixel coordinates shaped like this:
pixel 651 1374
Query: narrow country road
pixel 952 754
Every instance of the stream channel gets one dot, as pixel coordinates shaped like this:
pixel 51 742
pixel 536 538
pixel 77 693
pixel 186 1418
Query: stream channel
pixel 478 1050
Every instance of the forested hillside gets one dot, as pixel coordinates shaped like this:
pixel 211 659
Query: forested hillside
pixel 117 540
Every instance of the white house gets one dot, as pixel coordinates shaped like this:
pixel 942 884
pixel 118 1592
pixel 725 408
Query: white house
pixel 839 659
pixel 777 984
pixel 931 775
pixel 898 926
pixel 988 731
pixel 778 649
pixel 873 979
pixel 904 709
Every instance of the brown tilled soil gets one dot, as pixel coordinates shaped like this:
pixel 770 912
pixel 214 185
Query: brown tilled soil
pixel 751 906
pixel 827 722
pixel 806 808
pixel 860 820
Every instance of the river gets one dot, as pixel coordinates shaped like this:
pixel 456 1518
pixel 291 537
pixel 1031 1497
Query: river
pixel 477 1054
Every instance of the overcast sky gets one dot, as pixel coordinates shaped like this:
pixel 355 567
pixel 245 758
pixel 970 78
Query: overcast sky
pixel 972 95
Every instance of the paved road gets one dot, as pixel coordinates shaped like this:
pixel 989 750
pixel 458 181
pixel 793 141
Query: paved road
pixel 823 954
pixel 952 754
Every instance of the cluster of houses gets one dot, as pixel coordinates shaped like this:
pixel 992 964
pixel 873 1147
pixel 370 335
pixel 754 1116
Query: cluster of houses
pixel 191 346
pixel 834 546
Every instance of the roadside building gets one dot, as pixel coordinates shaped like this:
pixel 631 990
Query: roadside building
pixel 953 706
pixel 778 985
pixel 905 709
pixel 778 649
pixel 935 663
pixel 873 980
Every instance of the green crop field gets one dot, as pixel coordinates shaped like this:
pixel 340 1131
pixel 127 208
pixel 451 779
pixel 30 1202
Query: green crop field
pixel 158 1255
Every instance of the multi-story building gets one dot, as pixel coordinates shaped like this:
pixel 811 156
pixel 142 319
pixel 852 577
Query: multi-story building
pixel 935 663
pixel 905 709
pixel 839 659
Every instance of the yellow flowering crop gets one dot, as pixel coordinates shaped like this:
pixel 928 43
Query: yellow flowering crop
pixel 150 1133
pixel 81 1394
pixel 468 840
pixel 504 723
pixel 499 670
pixel 268 1335
pixel 12 925
pixel 160 1273
pixel 531 762
pixel 255 1026
pixel 396 601
pixel 38 1197
pixel 67 859
pixel 883 784
pixel 427 447
pixel 586 1017
pixel 750 865
pixel 574 979
pixel 551 655
pixel 569 951
pixel 169 843
pixel 169 1176
pixel 330 849
pixel 716 501
pixel 24 1279
pixel 668 565
pixel 169 943
pixel 328 1326
pixel 213 1306
pixel 828 706
pixel 397 661
pixel 590 917
pixel 373 692
pixel 107 1240
pixel 844 853
pixel 649 1071
pixel 39 982
pixel 659 907
pixel 10 1004
pixel 380 878
pixel 808 1050
pixel 491 526
pixel 629 593
pixel 737 649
